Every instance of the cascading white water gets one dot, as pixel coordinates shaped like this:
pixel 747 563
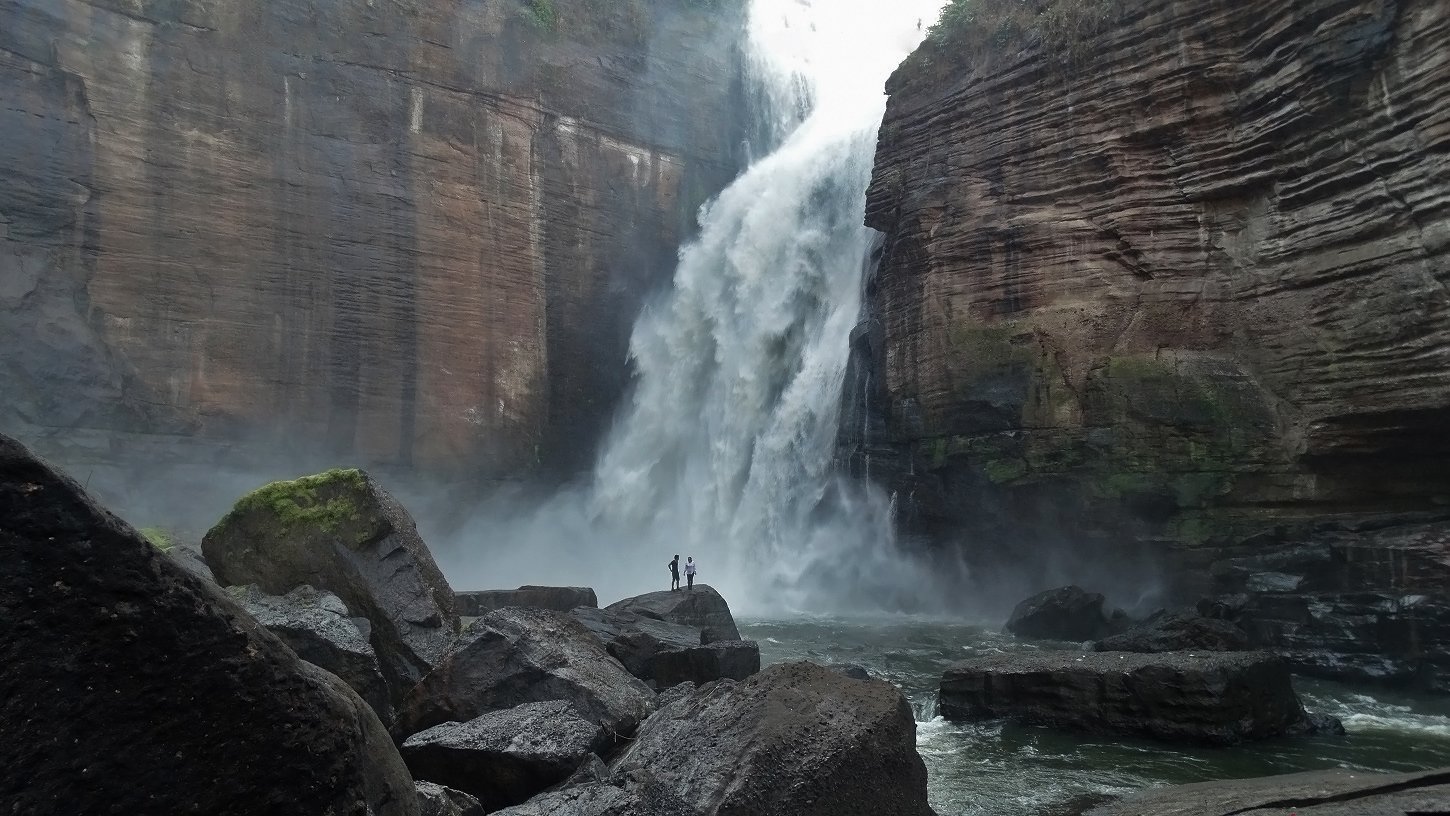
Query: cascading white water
pixel 724 451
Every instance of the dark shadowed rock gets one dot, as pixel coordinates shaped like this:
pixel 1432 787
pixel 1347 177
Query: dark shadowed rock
pixel 1065 613
pixel 437 800
pixel 517 655
pixel 850 670
pixel 702 608
pixel 1175 632
pixel 132 687
pixel 341 532
pixel 317 627
pixel 186 554
pixel 723 659
pixel 1215 698
pixel 665 654
pixel 796 739
pixel 559 599
pixel 636 793
pixel 1316 793
pixel 504 757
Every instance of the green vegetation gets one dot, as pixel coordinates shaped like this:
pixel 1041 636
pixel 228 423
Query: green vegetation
pixel 543 14
pixel 1062 28
pixel 297 503
pixel 159 538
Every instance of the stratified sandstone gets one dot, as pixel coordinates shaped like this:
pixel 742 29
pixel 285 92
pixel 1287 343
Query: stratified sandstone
pixel 1155 291
pixel 415 232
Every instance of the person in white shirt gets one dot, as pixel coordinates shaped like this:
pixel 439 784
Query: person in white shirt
pixel 690 572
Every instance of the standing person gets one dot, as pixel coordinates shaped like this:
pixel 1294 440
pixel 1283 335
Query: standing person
pixel 689 572
pixel 675 574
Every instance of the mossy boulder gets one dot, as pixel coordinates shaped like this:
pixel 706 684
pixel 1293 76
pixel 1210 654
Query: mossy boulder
pixel 340 532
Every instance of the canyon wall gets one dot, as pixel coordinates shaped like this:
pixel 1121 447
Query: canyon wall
pixel 1169 285
pixel 408 233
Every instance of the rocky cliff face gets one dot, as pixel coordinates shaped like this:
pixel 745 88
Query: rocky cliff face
pixel 414 233
pixel 1169 286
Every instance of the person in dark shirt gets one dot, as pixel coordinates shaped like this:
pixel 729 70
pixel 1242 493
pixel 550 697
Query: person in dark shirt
pixel 675 574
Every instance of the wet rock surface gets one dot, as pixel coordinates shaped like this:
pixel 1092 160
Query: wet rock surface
pixel 341 532
pixel 153 687
pixel 1065 613
pixel 504 757
pixel 560 599
pixel 702 608
pixel 1176 632
pixel 665 654
pixel 639 793
pixel 437 800
pixel 1211 698
pixel 794 739
pixel 316 626
pixel 1316 793
pixel 518 655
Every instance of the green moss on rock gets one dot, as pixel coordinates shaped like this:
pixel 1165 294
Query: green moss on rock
pixel 159 538
pixel 326 501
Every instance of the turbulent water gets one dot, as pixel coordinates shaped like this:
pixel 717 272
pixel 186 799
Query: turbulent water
pixel 724 451
pixel 996 769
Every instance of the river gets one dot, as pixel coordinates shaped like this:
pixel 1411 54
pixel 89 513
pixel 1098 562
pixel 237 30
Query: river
pixel 1001 769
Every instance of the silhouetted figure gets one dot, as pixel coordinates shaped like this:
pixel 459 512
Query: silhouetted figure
pixel 675 574
pixel 689 572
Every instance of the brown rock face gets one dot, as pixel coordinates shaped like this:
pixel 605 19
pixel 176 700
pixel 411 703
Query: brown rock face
pixel 413 232
pixel 1190 286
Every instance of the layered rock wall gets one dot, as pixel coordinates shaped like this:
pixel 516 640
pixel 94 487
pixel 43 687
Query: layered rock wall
pixel 415 233
pixel 1167 286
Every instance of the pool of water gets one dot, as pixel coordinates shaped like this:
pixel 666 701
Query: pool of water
pixel 1004 769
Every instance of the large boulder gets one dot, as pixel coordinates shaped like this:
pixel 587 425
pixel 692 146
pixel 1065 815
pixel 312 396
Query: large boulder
pixel 504 757
pixel 797 739
pixel 1337 792
pixel 1214 698
pixel 130 686
pixel 559 599
pixel 1178 632
pixel 637 793
pixel 1065 613
pixel 518 655
pixel 437 800
pixel 702 608
pixel 317 627
pixel 666 654
pixel 339 531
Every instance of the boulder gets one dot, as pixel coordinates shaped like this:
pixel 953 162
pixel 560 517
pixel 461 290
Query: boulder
pixel 1065 613
pixel 518 655
pixel 1176 632
pixel 636 793
pixel 504 757
pixel 1218 698
pixel 796 739
pixel 131 686
pixel 559 599
pixel 1336 792
pixel 340 532
pixel 702 608
pixel 317 627
pixel 436 800
pixel 851 670
pixel 186 552
pixel 665 654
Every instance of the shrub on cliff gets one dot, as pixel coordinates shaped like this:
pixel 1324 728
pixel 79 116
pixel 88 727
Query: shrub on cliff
pixel 1062 28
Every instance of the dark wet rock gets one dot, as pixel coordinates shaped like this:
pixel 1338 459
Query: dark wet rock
pixel 674 693
pixel 504 757
pixel 437 800
pixel 340 531
pixel 133 687
pixel 518 655
pixel 797 739
pixel 593 770
pixel 665 654
pixel 317 627
pixel 1315 793
pixel 702 608
pixel 188 556
pixel 1217 698
pixel 560 599
pixel 1176 632
pixel 1065 613
pixel 1325 725
pixel 636 793
pixel 851 670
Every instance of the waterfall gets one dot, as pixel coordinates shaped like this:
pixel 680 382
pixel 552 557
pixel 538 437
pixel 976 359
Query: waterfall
pixel 724 450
